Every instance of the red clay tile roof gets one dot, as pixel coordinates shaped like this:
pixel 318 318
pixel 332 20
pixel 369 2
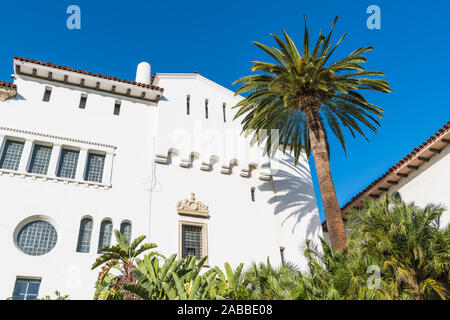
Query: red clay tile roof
pixel 7 84
pixel 52 65
pixel 408 157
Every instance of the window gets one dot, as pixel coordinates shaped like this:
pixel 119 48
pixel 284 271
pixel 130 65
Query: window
pixel 40 159
pixel 37 238
pixel 117 108
pixel 396 195
pixel 206 108
pixel 83 100
pixel 252 193
pixel 224 112
pixel 26 289
pixel 68 163
pixel 94 168
pixel 125 229
pixel 11 155
pixel 84 235
pixel 188 104
pixel 105 234
pixel 283 261
pixel 193 240
pixel 47 93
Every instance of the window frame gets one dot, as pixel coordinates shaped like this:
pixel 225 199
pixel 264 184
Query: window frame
pixel 117 105
pixel 83 101
pixel 79 246
pixel 126 222
pixel 34 248
pixel 32 156
pixel 204 234
pixel 100 241
pixel 4 148
pixel 28 280
pixel 89 154
pixel 48 90
pixel 188 104
pixel 224 106
pixel 58 166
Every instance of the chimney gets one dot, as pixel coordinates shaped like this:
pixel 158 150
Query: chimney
pixel 143 73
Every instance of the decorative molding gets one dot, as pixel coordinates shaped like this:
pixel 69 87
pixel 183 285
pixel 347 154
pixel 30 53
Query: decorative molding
pixel 7 92
pixel 57 137
pixel 34 176
pixel 246 170
pixel 192 208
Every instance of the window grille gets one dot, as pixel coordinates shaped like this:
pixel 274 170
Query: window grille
pixel 105 234
pixel 125 229
pixel 11 155
pixel 37 238
pixel 26 289
pixel 40 159
pixel 84 235
pixel 68 164
pixel 94 168
pixel 192 241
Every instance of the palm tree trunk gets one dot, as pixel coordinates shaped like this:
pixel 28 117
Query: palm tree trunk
pixel 333 215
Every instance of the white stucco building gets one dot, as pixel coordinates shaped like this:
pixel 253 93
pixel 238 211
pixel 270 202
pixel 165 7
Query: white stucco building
pixel 422 176
pixel 83 154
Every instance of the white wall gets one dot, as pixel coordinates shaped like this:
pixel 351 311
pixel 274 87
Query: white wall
pixel 239 230
pixel 131 133
pixel 429 184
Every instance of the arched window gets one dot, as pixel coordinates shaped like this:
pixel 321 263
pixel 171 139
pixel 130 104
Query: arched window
pixel 396 195
pixel 105 234
pixel 125 229
pixel 37 238
pixel 84 235
pixel 252 193
pixel 206 108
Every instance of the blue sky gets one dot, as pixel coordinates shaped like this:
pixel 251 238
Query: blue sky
pixel 211 37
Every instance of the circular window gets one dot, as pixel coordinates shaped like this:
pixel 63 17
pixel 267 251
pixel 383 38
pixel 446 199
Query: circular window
pixel 37 238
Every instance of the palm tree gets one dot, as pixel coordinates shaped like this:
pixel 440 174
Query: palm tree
pixel 300 95
pixel 340 275
pixel 263 281
pixel 122 256
pixel 407 239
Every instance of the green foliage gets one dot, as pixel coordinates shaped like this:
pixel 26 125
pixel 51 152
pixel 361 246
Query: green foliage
pixel 122 257
pixel 265 282
pixel 58 296
pixel 230 286
pixel 414 252
pixel 174 280
pixel 340 275
pixel 400 240
pixel 286 91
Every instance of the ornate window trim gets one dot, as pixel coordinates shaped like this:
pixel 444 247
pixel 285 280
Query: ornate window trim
pixel 203 226
pixel 192 208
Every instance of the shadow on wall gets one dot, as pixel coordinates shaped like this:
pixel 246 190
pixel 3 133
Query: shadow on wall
pixel 294 195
